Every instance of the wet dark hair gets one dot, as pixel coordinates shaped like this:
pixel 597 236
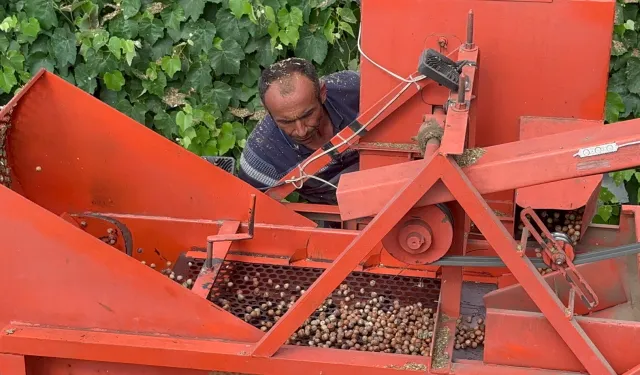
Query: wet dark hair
pixel 285 68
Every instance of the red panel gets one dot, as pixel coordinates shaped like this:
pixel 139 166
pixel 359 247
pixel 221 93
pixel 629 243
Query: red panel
pixel 12 364
pixel 54 274
pixel 560 195
pixel 501 167
pixel 511 37
pixel 94 158
pixel 514 78
pixel 56 366
pixel 518 338
pixel 604 277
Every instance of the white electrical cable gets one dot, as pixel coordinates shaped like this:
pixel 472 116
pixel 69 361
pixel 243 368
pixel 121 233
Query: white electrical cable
pixel 410 80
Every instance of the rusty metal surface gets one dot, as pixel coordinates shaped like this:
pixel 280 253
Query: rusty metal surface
pixel 5 127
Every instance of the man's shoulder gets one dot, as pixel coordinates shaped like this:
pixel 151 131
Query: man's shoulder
pixel 344 79
pixel 264 135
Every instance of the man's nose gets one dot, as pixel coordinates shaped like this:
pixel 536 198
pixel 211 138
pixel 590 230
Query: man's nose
pixel 300 128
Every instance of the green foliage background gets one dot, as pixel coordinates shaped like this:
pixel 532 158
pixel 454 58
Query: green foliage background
pixel 186 68
pixel 623 101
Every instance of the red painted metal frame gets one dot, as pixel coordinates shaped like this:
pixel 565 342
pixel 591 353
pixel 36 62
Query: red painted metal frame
pixel 540 292
pixel 454 140
pixel 565 194
pixel 230 356
pixel 545 159
pixel 208 273
pixel 614 337
pixel 103 348
pixel 12 364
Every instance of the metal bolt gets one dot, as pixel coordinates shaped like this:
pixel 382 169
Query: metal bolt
pixel 140 250
pixel 83 224
pixel 415 240
pixel 442 43
pixel 462 85
pixel 469 43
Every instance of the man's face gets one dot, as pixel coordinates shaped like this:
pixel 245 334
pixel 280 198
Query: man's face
pixel 297 110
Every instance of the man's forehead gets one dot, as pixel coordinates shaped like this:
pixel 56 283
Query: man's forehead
pixel 289 83
pixel 290 90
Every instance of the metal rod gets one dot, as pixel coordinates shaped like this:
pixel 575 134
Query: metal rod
pixel 469 43
pixel 252 213
pixel 462 86
pixel 209 262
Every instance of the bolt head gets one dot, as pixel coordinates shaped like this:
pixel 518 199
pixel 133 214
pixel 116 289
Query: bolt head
pixel 415 240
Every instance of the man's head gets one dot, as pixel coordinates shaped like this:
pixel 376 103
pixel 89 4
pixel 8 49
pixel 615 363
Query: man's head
pixel 293 95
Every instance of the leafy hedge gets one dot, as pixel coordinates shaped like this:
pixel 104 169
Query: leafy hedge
pixel 185 68
pixel 623 101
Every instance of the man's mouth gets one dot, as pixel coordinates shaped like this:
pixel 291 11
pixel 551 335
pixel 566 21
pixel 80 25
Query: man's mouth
pixel 308 137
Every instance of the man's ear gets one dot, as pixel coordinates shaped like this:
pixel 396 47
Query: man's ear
pixel 323 92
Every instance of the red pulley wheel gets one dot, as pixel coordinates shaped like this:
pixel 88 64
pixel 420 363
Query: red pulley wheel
pixel 422 236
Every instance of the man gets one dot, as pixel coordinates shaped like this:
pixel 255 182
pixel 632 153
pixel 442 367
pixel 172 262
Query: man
pixel 304 112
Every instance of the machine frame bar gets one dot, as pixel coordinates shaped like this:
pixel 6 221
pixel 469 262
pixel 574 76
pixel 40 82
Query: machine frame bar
pixel 213 355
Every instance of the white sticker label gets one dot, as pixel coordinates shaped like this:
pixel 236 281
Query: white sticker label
pixel 597 150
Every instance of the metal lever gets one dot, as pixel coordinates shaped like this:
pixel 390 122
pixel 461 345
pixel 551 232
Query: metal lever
pixel 556 257
pixel 232 237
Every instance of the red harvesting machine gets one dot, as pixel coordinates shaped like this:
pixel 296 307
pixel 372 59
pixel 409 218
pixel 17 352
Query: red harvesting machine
pixel 466 245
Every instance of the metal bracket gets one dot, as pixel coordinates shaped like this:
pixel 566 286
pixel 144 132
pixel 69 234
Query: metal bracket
pixel 232 237
pixel 556 255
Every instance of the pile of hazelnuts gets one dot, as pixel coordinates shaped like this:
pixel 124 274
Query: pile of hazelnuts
pixel 350 319
pixel 469 333
pixel 567 222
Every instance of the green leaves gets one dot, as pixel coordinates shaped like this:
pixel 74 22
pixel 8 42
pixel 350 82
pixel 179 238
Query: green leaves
pixel 192 8
pixel 189 69
pixel 28 30
pixel 346 14
pixel 620 177
pixel 226 139
pixel 173 16
pixel 7 79
pixel 291 18
pixel 171 65
pixel 114 80
pixel 220 94
pixel 614 106
pixel 44 11
pixel 633 75
pixel 151 29
pixel 130 8
pixel 156 85
pixel 240 7
pixel 226 59
pixel 605 212
pixel 63 45
pixel 312 46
